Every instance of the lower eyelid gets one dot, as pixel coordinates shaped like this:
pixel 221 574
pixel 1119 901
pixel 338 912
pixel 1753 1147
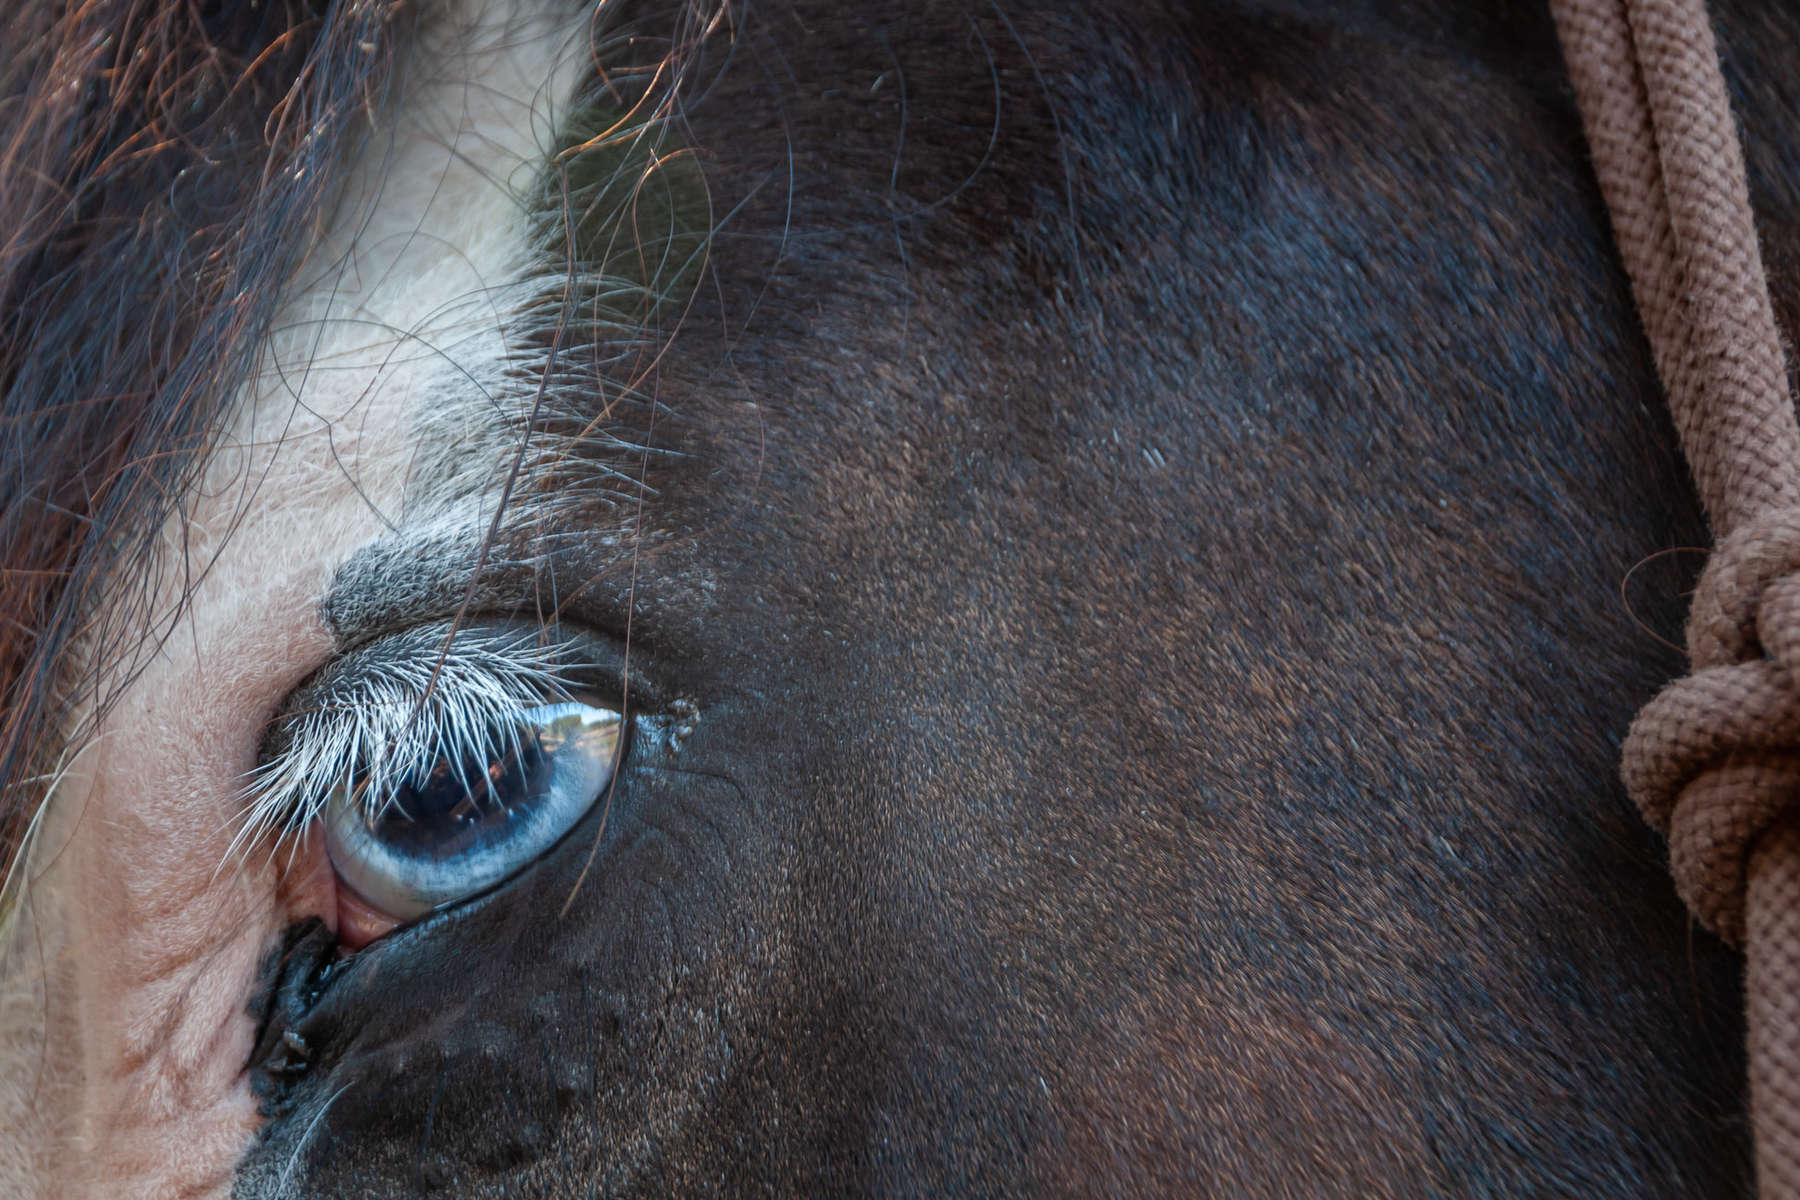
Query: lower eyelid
pixel 359 923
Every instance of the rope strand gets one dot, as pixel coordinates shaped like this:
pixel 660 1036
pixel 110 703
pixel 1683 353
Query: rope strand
pixel 1714 761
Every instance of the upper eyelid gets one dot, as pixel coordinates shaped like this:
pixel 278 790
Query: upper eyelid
pixel 413 695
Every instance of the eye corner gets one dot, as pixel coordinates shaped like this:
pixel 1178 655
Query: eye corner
pixel 667 726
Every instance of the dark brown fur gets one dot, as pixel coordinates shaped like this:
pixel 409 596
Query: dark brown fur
pixel 1153 485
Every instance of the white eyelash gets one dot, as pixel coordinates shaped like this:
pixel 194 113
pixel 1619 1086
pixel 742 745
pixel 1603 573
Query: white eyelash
pixel 377 721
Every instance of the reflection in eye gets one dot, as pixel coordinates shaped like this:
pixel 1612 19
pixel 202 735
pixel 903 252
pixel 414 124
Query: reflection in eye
pixel 436 762
pixel 478 814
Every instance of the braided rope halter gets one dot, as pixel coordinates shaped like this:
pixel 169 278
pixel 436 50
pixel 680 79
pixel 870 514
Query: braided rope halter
pixel 1714 761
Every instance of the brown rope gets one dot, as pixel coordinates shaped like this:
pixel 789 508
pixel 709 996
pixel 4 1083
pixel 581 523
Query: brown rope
pixel 1714 761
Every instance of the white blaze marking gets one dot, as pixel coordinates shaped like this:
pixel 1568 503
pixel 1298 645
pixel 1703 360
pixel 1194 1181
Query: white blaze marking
pixel 123 1032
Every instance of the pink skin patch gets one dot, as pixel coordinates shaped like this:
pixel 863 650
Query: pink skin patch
pixel 124 1028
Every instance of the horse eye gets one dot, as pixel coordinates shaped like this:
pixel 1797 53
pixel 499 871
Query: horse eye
pixel 480 813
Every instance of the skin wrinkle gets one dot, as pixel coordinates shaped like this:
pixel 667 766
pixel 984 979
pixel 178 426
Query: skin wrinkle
pixel 148 946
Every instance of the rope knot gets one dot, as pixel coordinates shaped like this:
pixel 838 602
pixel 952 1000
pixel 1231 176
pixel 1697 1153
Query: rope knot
pixel 1714 760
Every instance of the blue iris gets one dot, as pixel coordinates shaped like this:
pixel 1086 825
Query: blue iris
pixel 478 814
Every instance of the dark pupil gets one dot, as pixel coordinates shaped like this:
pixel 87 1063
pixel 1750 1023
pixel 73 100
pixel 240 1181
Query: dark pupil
pixel 455 804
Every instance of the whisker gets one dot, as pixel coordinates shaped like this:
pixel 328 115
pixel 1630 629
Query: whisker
pixel 293 1161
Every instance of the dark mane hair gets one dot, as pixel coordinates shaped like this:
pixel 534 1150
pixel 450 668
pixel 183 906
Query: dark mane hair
pixel 163 165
